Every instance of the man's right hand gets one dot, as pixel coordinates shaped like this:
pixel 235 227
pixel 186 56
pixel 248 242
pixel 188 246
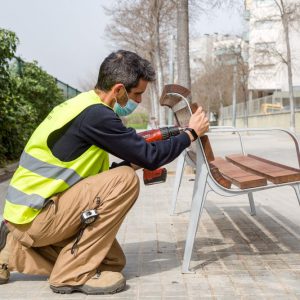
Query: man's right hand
pixel 199 122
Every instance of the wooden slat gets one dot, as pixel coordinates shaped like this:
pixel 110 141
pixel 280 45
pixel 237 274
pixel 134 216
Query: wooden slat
pixel 219 178
pixel 210 157
pixel 239 177
pixel 273 163
pixel 170 100
pixel 207 148
pixel 274 172
pixel 193 107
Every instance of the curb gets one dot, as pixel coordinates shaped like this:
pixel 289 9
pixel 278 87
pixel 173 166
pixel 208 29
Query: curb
pixel 7 171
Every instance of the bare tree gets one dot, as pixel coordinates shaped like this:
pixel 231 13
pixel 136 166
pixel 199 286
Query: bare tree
pixel 214 88
pixel 198 7
pixel 183 57
pixel 240 65
pixel 243 75
pixel 143 26
pixel 289 12
pixel 286 12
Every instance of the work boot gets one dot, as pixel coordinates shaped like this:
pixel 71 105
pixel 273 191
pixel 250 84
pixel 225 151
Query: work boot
pixel 107 282
pixel 4 253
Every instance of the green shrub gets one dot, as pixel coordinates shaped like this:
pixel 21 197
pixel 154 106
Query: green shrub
pixel 138 126
pixel 8 44
pixel 137 120
pixel 25 99
pixel 39 89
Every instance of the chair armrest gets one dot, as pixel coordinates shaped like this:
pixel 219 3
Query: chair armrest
pixel 238 130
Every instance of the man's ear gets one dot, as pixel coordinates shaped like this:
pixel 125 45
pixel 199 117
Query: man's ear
pixel 120 94
pixel 117 88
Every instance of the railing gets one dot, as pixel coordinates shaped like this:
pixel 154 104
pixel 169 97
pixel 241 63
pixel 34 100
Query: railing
pixel 279 102
pixel 68 91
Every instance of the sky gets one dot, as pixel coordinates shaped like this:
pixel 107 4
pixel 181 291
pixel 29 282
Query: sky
pixel 67 37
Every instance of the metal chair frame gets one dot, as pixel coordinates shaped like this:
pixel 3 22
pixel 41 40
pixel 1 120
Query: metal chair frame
pixel 204 181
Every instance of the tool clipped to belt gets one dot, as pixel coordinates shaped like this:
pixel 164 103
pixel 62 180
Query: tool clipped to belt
pixel 87 218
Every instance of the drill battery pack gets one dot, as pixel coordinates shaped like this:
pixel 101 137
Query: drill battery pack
pixel 157 176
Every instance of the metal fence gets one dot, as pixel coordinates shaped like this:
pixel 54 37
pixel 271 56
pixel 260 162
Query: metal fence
pixel 279 102
pixel 68 91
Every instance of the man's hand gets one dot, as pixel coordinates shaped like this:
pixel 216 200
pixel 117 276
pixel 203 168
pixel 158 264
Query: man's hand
pixel 199 121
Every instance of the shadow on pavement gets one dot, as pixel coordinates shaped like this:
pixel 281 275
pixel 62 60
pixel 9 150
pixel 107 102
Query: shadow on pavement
pixel 235 233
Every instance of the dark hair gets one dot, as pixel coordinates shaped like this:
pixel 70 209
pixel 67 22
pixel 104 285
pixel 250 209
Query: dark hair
pixel 124 67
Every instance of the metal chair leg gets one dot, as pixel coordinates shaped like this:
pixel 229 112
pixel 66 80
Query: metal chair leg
pixel 196 210
pixel 297 191
pixel 252 204
pixel 178 178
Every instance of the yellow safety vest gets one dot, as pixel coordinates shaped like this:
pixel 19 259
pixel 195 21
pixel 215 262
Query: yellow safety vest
pixel 40 174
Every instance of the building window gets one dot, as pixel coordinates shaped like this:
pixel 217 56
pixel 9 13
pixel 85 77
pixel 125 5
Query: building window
pixel 264 24
pixel 265 46
pixel 266 69
pixel 265 54
pixel 262 3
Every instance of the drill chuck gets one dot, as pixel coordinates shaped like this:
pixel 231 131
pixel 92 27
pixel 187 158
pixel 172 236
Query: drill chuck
pixel 167 132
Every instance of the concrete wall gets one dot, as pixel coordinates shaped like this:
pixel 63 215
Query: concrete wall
pixel 281 120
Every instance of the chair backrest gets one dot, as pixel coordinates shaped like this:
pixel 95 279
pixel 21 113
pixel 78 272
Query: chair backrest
pixel 177 97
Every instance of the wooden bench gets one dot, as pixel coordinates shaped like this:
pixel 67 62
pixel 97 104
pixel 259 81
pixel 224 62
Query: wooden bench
pixel 234 174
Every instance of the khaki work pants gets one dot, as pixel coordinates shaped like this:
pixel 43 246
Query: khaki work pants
pixel 44 246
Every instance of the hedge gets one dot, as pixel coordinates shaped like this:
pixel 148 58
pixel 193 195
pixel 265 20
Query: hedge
pixel 26 97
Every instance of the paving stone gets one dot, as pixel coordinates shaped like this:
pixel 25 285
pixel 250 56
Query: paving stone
pixel 253 297
pixel 248 289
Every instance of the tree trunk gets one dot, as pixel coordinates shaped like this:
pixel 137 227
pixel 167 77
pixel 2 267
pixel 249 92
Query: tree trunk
pixel 234 97
pixel 160 84
pixel 158 60
pixel 183 58
pixel 154 94
pixel 208 111
pixel 245 92
pixel 290 74
pixel 222 113
pixel 246 113
pixel 171 74
pixel 154 105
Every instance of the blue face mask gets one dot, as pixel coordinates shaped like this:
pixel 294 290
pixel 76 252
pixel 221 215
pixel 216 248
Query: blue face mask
pixel 127 109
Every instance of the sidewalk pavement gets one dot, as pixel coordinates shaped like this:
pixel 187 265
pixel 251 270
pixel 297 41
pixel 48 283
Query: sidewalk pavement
pixel 235 256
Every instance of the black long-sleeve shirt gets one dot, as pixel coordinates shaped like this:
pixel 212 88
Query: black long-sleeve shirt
pixel 99 125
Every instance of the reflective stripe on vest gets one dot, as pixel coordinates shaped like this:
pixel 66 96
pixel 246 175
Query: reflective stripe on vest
pixel 47 170
pixel 17 197
pixel 40 174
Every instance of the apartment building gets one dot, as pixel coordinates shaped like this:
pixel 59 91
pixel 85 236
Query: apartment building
pixel 201 52
pixel 267 48
pixel 211 48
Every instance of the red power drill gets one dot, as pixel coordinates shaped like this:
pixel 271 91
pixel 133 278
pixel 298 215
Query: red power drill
pixel 159 175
